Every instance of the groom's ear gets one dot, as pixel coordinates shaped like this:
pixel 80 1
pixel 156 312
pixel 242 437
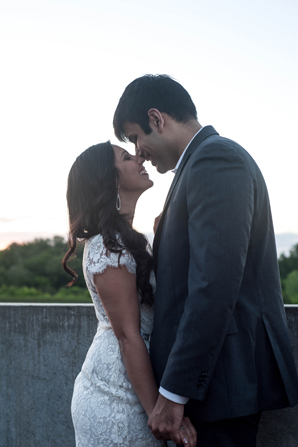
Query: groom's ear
pixel 156 120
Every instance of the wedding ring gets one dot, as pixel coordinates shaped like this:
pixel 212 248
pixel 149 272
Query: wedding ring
pixel 181 428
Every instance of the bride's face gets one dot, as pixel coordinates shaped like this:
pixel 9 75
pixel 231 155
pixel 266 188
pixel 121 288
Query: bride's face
pixel 133 177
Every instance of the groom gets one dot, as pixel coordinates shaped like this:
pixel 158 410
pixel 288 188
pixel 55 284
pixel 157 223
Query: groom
pixel 220 347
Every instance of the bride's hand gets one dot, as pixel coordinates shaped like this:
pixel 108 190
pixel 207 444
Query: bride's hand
pixel 156 222
pixel 188 433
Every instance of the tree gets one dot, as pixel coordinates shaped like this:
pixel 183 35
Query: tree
pixel 37 266
pixel 288 263
pixel 288 267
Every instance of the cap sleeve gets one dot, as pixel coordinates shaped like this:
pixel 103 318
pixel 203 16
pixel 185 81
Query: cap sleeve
pixel 98 258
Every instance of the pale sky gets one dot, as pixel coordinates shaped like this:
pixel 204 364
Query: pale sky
pixel 64 65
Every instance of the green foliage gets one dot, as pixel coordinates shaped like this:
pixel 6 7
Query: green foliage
pixel 288 267
pixel 32 272
pixel 26 294
pixel 288 263
pixel 291 288
pixel 73 294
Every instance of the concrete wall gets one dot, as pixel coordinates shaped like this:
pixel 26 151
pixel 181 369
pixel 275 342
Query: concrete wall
pixel 42 348
pixel 280 428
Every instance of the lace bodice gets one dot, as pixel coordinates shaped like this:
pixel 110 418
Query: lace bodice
pixel 96 260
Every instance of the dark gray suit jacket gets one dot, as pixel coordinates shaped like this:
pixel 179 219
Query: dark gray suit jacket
pixel 220 335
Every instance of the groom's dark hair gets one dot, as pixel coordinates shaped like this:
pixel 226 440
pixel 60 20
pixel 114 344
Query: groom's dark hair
pixel 152 91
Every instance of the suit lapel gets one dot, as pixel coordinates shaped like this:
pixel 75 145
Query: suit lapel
pixel 202 135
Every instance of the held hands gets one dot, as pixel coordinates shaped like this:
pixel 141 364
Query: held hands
pixel 187 433
pixel 167 422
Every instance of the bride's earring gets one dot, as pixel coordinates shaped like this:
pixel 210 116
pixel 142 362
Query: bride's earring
pixel 118 201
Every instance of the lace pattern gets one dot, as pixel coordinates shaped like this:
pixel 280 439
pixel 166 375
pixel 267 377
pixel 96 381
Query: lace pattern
pixel 105 409
pixel 96 260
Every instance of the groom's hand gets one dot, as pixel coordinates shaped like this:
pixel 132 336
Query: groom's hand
pixel 166 419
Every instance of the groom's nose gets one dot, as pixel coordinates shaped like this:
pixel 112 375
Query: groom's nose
pixel 142 154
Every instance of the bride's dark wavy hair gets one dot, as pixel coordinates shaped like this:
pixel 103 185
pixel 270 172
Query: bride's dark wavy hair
pixel 91 198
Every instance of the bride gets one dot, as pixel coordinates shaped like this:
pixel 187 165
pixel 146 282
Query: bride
pixel 115 392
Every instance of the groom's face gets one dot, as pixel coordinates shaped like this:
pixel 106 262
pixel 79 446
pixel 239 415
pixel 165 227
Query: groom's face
pixel 151 146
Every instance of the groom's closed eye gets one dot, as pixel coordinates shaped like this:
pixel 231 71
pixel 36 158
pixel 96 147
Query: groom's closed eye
pixel 133 139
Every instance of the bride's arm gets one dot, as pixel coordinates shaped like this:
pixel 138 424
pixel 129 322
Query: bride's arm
pixel 117 290
pixel 118 293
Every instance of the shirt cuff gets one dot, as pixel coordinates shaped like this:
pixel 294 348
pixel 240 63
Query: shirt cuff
pixel 173 397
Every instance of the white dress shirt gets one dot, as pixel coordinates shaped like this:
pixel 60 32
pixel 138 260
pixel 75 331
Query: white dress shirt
pixel 182 155
pixel 167 394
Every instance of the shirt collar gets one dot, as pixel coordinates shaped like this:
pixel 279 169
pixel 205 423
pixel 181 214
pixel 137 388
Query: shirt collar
pixel 182 155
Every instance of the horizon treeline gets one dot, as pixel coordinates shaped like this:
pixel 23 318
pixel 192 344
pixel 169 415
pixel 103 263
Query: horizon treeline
pixel 32 272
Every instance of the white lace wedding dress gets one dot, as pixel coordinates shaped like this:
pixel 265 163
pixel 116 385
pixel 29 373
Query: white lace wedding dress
pixel 106 411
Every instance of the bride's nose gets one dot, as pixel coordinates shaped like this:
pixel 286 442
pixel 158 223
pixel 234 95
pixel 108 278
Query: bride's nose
pixel 140 158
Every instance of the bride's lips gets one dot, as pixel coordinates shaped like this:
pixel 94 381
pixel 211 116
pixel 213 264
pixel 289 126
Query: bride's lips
pixel 143 171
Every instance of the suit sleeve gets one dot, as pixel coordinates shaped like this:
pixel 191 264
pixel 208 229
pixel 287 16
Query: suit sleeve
pixel 220 205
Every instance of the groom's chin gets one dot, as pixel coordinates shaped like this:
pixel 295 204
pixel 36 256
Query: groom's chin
pixel 161 169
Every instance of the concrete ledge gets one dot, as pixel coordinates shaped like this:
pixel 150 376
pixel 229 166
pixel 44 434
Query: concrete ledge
pixel 280 428
pixel 42 348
